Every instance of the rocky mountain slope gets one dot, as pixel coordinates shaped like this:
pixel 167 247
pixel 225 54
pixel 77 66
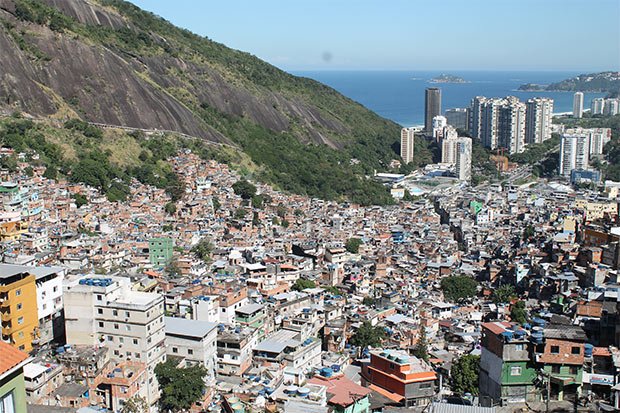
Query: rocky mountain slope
pixel 108 61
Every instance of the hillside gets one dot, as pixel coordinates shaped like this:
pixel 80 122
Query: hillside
pixel 593 82
pixel 110 62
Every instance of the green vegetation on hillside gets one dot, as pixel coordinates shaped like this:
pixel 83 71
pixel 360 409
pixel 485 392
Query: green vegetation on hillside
pixel 365 141
pixel 536 152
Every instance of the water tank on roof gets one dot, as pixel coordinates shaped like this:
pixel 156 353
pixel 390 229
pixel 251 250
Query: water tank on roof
pixel 303 391
pixel 327 372
pixel 588 349
pixel 335 367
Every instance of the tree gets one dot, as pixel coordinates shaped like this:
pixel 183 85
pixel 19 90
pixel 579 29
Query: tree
pixel 79 200
pixel 170 208
pixel 464 374
pixel 528 232
pixel 244 189
pixel 503 294
pixel 367 335
pixel 333 290
pixel 203 249
pixel 518 312
pixel 353 245
pixel 135 404
pixel 240 213
pixel 368 301
pixel 421 346
pixel 50 172
pixel 216 203
pixel 458 287
pixel 180 387
pixel 302 284
pixel 257 201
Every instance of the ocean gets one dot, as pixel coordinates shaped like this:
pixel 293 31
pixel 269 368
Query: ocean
pixel 399 95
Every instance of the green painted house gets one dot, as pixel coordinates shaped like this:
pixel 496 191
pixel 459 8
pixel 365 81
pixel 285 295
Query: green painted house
pixel 12 385
pixel 160 251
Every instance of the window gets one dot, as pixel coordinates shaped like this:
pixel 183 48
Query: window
pixel 127 327
pixel 136 355
pixel 101 324
pixel 55 288
pixel 110 338
pixel 99 297
pixel 555 369
pixel 555 349
pixel 127 314
pixel 20 320
pixel 135 341
pixel 573 370
pixel 392 366
pixel 114 312
pixel 100 311
pixel 18 292
pixel 175 350
pixel 515 371
pixel 115 326
pixel 121 339
pixel 190 351
pixel 19 306
pixel 575 350
pixel 426 385
pixel 7 404
pixel 519 347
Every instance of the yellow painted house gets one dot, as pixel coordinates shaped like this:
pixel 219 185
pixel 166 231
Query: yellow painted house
pixel 18 308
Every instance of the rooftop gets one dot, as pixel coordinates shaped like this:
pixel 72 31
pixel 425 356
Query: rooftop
pixel 188 328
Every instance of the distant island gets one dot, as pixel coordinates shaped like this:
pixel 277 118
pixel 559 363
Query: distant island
pixel 593 82
pixel 443 78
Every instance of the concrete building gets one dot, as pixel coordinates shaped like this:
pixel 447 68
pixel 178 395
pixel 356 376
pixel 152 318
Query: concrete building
pixel 105 311
pixel 439 123
pixel 18 306
pixel 400 377
pixel 234 350
pixel 463 159
pixel 432 107
pixel 538 115
pixel 598 138
pixel 160 251
pixel 574 152
pixel 195 341
pixel 611 107
pixel 458 118
pixel 12 385
pixel 578 105
pixel 511 125
pixel 407 141
pixel 597 107
pixel 286 346
pixel 506 371
pixel 448 150
pixel 475 116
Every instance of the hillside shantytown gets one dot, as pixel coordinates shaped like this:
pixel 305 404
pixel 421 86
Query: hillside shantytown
pixel 185 228
pixel 502 295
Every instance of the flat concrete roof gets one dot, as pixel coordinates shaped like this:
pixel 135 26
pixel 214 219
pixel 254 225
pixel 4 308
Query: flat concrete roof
pixel 188 328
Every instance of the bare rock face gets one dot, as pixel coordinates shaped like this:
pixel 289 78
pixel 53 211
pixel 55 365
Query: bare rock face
pixel 42 72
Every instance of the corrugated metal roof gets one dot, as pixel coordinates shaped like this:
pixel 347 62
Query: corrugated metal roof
pixel 458 408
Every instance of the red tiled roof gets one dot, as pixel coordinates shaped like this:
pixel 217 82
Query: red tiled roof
pixel 496 327
pixel 11 357
pixel 392 396
pixel 601 351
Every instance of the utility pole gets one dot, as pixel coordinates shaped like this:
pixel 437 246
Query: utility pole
pixel 548 376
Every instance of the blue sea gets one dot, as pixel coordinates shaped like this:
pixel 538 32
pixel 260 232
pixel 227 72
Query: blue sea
pixel 399 95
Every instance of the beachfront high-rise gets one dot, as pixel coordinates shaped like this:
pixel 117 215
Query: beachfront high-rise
pixel 611 107
pixel 499 123
pixel 407 140
pixel 458 117
pixel 578 105
pixel 538 115
pixel 432 107
pixel 598 104
pixel 574 152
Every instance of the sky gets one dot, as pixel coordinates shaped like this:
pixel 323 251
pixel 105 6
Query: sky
pixel 562 35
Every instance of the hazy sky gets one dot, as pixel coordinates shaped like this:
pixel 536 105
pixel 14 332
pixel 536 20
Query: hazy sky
pixel 410 34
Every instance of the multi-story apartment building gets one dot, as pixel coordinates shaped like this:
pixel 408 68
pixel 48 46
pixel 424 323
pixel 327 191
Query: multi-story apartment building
pixel 463 159
pixel 458 118
pixel 448 150
pixel 407 142
pixel 597 106
pixel 578 105
pixel 574 152
pixel 511 125
pixel 507 372
pixel 106 311
pixel 432 107
pixel 234 350
pixel 538 115
pixel 195 341
pixel 18 306
pixel 611 107
pixel 403 377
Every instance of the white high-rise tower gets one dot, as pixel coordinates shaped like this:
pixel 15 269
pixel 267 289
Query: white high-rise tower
pixel 578 105
pixel 407 139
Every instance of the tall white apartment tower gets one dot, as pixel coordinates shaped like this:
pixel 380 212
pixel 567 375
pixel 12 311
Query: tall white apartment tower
pixel 407 139
pixel 574 152
pixel 538 115
pixel 463 159
pixel 578 105
pixel 448 150
pixel 598 105
pixel 511 125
